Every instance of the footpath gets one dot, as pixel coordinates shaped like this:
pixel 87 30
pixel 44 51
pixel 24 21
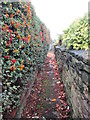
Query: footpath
pixel 47 99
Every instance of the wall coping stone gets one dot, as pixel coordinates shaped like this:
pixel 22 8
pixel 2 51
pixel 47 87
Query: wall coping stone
pixel 81 55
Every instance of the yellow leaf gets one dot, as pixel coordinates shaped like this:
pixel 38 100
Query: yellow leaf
pixel 22 61
pixel 15 50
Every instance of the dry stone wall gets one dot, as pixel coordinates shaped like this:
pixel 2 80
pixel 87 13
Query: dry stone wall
pixel 74 67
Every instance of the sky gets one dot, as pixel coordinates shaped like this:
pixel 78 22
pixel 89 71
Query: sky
pixel 59 14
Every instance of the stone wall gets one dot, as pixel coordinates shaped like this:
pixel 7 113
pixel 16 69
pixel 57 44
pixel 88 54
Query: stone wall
pixel 74 67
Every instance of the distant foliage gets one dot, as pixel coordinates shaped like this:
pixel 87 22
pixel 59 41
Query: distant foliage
pixel 76 36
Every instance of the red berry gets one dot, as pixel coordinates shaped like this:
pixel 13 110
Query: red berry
pixel 23 39
pixel 5 56
pixel 13 61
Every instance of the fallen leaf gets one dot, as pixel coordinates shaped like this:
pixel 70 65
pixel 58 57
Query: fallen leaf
pixel 58 82
pixel 53 100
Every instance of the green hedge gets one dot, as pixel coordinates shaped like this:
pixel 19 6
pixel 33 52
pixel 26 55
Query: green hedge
pixel 25 43
pixel 76 35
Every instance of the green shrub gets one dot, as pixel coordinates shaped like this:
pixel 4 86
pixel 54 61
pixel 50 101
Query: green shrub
pixel 76 36
pixel 25 44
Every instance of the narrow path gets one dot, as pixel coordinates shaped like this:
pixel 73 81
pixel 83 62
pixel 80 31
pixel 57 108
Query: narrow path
pixel 47 98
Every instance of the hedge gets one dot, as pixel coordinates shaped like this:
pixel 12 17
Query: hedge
pixel 76 35
pixel 25 42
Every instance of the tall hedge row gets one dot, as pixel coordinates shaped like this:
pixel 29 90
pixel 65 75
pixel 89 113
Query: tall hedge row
pixel 25 42
pixel 76 35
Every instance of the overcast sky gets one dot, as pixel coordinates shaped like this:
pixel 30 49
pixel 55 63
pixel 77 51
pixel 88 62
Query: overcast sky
pixel 59 14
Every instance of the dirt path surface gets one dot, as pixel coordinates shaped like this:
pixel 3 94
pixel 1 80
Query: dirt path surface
pixel 47 99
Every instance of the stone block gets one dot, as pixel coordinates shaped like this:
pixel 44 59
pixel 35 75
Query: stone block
pixel 86 68
pixel 85 77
